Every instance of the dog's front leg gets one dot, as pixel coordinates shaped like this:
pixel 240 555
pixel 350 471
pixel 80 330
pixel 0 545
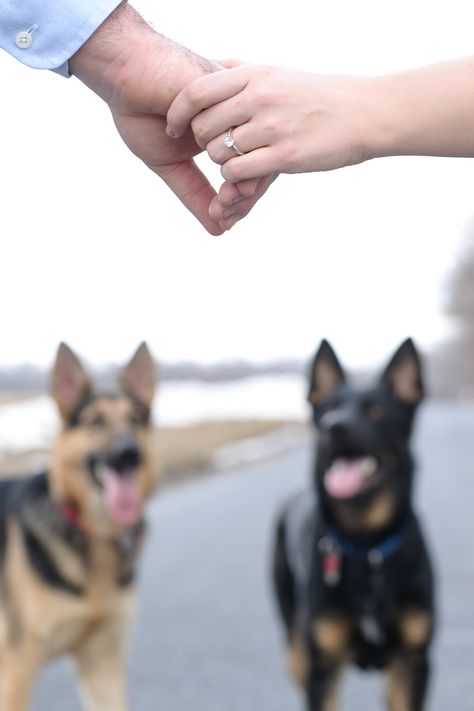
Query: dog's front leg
pixel 100 665
pixel 102 685
pixel 328 641
pixel 322 685
pixel 407 681
pixel 18 671
pixel 408 672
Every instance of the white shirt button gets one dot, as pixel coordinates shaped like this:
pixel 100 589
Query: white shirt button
pixel 24 40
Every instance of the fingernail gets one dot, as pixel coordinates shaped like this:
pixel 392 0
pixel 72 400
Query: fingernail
pixel 254 187
pixel 171 132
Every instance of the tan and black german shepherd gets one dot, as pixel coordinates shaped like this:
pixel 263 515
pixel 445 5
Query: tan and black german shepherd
pixel 70 537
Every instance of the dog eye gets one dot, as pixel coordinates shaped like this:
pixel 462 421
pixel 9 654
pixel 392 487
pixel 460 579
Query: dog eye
pixel 374 411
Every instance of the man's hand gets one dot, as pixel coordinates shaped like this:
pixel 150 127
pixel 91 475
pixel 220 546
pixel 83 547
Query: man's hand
pixel 138 72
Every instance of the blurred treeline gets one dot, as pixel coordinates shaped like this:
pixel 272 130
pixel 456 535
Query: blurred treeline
pixel 32 379
pixel 450 365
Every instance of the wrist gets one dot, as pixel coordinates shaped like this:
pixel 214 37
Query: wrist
pixel 376 117
pixel 389 117
pixel 105 53
pixel 124 50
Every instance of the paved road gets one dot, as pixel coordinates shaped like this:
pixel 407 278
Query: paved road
pixel 206 638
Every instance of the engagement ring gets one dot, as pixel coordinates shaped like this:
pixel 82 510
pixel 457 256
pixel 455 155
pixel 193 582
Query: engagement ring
pixel 230 143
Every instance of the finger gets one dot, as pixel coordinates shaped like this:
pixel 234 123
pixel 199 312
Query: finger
pixel 192 187
pixel 215 122
pixel 227 224
pixel 247 188
pixel 231 216
pixel 246 138
pixel 231 193
pixel 254 164
pixel 203 93
pixel 225 214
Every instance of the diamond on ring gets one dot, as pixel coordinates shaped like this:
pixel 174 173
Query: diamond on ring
pixel 229 139
pixel 229 142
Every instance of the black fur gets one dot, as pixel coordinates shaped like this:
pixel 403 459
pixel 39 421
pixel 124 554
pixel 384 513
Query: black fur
pixel 22 498
pixel 29 503
pixel 385 569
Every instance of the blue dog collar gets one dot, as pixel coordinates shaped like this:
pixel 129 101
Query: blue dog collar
pixel 375 555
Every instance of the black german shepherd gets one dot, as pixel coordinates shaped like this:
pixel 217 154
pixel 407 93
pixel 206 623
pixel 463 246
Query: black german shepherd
pixel 70 538
pixel 353 577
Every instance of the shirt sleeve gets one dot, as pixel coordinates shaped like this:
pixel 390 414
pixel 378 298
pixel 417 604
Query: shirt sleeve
pixel 44 34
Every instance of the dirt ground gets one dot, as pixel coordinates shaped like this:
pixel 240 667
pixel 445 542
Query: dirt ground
pixel 182 451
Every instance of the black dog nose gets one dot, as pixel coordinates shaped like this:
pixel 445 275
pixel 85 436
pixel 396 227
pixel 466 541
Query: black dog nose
pixel 336 423
pixel 123 455
pixel 339 429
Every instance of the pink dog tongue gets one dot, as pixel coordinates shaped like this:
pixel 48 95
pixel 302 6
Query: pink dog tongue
pixel 122 499
pixel 345 478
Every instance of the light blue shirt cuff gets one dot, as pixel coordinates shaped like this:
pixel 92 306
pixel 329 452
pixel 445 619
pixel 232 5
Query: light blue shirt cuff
pixel 63 70
pixel 44 34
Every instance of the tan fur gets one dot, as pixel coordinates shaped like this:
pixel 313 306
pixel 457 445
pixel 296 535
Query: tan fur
pixel 332 638
pixel 415 627
pixel 330 703
pixel 69 382
pixel 397 688
pixel 69 476
pixel 327 378
pixel 331 635
pixel 297 658
pixel 48 623
pixel 138 377
pixel 404 381
pixel 39 622
pixel 377 514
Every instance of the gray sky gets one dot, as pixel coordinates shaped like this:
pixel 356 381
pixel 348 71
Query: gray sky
pixel 96 251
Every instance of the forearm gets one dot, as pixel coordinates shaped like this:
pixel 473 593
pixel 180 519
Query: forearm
pixel 124 39
pixel 428 111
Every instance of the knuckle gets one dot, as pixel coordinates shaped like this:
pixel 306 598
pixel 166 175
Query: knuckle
pixel 203 129
pixel 263 94
pixel 263 86
pixel 194 94
pixel 213 153
pixel 199 130
pixel 269 127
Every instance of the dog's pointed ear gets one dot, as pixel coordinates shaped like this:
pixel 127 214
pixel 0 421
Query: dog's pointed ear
pixel 326 374
pixel 138 378
pixel 70 384
pixel 403 374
